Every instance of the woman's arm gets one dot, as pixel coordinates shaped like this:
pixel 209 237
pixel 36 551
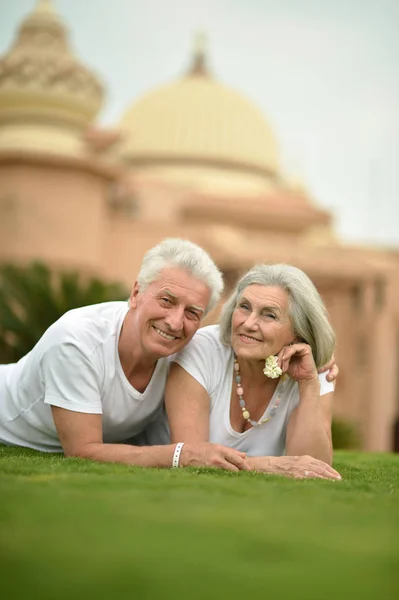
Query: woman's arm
pixel 187 405
pixel 309 426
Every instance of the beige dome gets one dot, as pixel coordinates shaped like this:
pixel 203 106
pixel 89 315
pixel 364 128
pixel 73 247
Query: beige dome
pixel 41 79
pixel 198 121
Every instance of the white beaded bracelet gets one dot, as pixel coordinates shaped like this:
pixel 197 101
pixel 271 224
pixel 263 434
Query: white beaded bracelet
pixel 176 455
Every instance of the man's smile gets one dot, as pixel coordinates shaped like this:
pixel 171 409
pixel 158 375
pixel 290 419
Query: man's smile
pixel 167 336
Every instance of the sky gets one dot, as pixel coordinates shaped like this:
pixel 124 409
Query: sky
pixel 325 74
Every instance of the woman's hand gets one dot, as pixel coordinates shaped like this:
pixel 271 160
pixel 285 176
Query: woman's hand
pixel 298 467
pixel 297 361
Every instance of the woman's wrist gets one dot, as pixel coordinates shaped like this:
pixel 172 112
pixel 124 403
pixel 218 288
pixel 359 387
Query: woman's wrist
pixel 309 388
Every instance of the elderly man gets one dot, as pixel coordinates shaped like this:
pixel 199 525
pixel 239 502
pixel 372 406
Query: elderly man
pixel 97 376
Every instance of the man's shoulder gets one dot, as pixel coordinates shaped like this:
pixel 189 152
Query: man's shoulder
pixel 88 325
pixel 105 314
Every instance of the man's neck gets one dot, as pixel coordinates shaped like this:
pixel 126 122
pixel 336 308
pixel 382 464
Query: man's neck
pixel 137 366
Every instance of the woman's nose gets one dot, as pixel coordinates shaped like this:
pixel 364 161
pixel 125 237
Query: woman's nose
pixel 252 320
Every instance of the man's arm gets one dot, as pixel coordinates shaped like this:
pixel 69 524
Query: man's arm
pixel 81 436
pixel 187 405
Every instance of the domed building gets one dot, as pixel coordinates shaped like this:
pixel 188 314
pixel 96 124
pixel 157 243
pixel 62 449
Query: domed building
pixel 193 159
pixel 201 133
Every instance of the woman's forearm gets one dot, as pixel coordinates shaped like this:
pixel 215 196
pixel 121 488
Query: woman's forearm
pixel 307 432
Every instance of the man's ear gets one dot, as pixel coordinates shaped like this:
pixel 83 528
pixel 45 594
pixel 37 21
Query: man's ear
pixel 133 295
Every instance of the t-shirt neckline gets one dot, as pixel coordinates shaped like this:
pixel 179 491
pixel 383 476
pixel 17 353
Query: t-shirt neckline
pixel 269 407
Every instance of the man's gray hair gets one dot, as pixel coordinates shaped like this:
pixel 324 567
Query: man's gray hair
pixel 307 311
pixel 174 252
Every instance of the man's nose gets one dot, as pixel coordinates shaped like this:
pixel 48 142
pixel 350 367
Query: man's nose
pixel 174 318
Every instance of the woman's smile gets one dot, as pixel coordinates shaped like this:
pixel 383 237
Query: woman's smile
pixel 248 339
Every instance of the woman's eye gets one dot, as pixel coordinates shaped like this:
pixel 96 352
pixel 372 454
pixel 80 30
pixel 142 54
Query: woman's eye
pixel 244 306
pixel 166 300
pixel 271 316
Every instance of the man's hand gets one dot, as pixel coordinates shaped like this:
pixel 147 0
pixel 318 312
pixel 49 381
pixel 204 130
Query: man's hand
pixel 332 367
pixel 205 454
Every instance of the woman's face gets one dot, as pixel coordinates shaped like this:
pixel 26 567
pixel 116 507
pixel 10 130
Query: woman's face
pixel 261 324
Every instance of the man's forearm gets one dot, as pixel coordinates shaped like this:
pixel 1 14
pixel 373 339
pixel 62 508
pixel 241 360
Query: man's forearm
pixel 307 433
pixel 142 456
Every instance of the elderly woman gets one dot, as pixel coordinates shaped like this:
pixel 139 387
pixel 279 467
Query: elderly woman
pixel 252 382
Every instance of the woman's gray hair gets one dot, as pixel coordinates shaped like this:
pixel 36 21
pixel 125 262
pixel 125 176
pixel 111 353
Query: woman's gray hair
pixel 307 311
pixel 174 252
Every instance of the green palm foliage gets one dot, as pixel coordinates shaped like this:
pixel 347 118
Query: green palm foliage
pixel 34 297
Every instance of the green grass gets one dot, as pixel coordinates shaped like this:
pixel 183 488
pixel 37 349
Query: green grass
pixel 74 529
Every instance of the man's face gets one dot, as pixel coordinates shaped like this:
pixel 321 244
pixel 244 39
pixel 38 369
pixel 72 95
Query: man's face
pixel 169 311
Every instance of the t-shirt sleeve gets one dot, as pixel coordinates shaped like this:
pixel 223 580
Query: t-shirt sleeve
pixel 325 386
pixel 71 381
pixel 200 359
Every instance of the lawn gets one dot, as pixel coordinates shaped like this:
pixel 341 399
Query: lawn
pixel 78 530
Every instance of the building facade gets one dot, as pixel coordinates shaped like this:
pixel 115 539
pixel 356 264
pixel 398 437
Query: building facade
pixel 192 159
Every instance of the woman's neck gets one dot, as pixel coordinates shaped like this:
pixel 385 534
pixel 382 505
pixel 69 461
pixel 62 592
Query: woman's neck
pixel 251 372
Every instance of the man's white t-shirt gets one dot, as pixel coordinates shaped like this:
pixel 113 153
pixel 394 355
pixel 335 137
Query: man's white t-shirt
pixel 76 366
pixel 211 364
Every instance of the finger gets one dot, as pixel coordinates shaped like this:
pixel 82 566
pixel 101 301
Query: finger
pixel 286 362
pixel 309 475
pixel 332 473
pixel 288 353
pixel 325 469
pixel 242 454
pixel 228 450
pixel 227 466
pixel 239 462
pixel 333 373
pixel 326 367
pixel 313 474
pixel 283 358
pixel 280 356
pixel 325 474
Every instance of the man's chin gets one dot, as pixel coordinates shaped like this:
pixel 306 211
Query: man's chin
pixel 163 349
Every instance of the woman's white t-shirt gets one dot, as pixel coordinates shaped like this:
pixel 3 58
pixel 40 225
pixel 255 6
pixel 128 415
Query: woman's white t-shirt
pixel 211 364
pixel 76 366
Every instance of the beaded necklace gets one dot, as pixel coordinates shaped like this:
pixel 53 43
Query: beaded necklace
pixel 240 393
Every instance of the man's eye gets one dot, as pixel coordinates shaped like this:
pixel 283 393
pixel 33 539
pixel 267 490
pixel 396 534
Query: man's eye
pixel 192 314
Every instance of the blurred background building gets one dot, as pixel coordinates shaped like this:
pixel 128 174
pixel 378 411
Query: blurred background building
pixel 193 159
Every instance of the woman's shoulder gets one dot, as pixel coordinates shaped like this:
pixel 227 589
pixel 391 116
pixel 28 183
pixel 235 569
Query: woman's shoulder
pixel 210 332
